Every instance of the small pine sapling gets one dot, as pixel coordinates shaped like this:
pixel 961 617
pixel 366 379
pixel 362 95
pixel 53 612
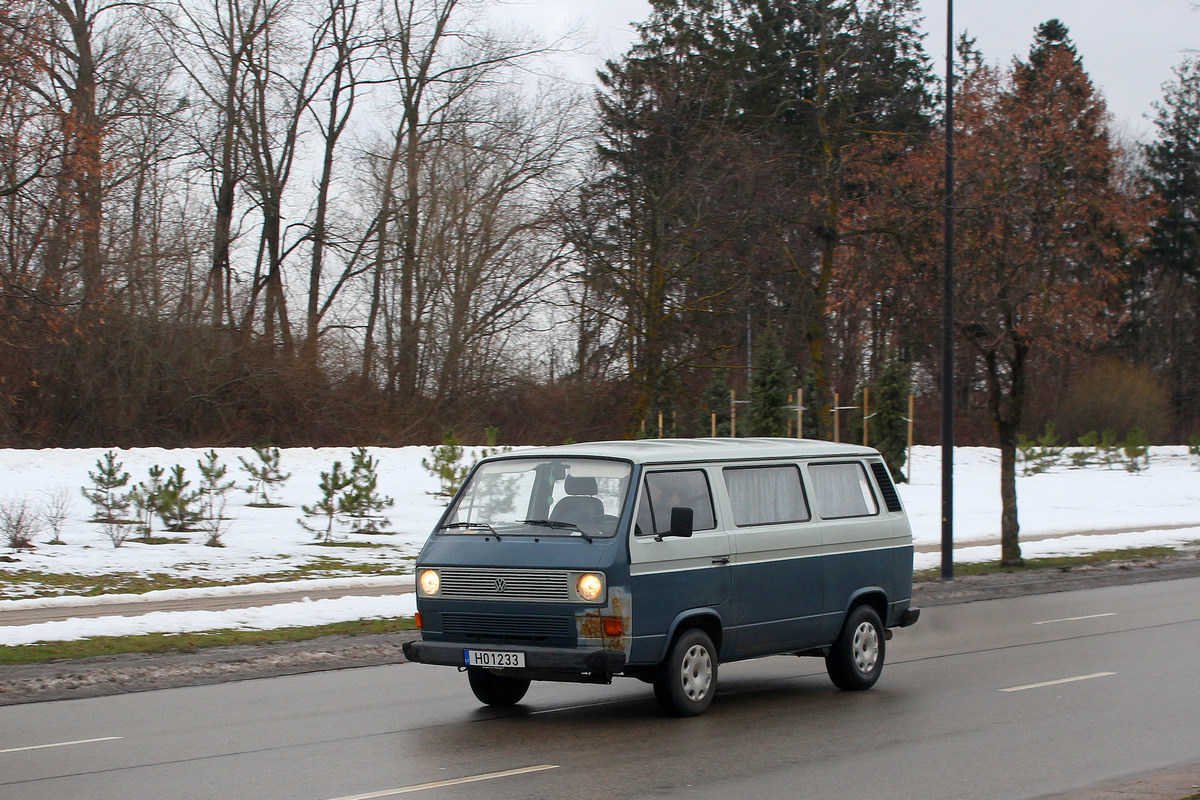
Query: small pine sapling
pixel 490 448
pixel 1042 456
pixel 1082 455
pixel 332 486
pixel 447 466
pixel 179 505
pixel 213 486
pixel 361 501
pixel 107 481
pixel 147 500
pixel 1137 450
pixel 1194 447
pixel 265 475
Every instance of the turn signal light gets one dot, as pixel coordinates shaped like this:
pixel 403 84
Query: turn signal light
pixel 613 627
pixel 417 620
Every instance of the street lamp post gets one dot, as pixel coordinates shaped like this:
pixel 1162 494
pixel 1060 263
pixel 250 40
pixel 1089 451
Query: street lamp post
pixel 948 316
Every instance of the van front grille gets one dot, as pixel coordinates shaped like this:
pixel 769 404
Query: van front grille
pixel 509 627
pixel 514 585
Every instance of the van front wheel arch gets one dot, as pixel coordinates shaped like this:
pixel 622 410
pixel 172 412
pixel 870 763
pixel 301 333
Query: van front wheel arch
pixel 687 680
pixel 855 659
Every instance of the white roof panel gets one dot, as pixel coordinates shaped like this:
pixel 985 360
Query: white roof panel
pixel 674 451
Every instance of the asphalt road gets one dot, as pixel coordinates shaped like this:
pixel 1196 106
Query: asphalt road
pixel 1026 697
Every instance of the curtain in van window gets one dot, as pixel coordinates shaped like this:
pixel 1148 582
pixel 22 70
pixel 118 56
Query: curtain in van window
pixel 842 490
pixel 765 495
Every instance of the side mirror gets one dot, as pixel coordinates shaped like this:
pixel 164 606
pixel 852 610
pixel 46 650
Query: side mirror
pixel 681 521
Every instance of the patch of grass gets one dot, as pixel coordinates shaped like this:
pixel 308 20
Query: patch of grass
pixel 51 584
pixel 368 545
pixel 160 540
pixel 191 642
pixel 1059 562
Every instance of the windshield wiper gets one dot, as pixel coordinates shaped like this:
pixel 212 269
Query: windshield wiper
pixel 489 528
pixel 558 525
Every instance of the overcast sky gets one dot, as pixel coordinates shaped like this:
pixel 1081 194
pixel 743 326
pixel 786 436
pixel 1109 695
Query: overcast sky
pixel 1129 47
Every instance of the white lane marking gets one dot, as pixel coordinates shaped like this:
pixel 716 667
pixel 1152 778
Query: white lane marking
pixel 421 787
pixel 572 708
pixel 1075 619
pixel 1057 682
pixel 61 744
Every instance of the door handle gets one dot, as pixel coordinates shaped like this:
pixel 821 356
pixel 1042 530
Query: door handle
pixel 721 561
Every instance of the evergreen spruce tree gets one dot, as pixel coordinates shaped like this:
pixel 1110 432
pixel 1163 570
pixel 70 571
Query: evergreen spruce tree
pixel 1167 302
pixel 768 414
pixel 716 400
pixel 889 424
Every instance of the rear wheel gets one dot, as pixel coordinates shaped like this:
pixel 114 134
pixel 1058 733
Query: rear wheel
pixel 855 660
pixel 687 680
pixel 496 690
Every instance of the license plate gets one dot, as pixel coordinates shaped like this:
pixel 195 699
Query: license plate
pixel 493 659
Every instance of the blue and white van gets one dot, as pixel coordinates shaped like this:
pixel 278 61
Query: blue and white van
pixel 661 559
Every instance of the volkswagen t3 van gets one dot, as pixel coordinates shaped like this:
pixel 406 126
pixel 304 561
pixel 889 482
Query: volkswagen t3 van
pixel 661 559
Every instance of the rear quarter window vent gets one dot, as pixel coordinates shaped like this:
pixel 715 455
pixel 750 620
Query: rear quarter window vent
pixel 890 497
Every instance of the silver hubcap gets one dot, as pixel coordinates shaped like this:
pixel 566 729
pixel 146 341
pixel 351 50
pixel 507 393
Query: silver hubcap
pixel 866 647
pixel 696 672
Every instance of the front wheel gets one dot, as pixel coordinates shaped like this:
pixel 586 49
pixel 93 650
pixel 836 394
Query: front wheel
pixel 496 690
pixel 855 660
pixel 687 680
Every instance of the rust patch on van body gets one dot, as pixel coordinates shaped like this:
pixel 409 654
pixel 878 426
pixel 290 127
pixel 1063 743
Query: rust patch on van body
pixel 591 622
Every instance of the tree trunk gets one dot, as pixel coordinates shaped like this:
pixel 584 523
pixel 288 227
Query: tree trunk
pixel 1010 546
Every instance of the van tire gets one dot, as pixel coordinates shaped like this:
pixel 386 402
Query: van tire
pixel 687 680
pixel 496 690
pixel 855 660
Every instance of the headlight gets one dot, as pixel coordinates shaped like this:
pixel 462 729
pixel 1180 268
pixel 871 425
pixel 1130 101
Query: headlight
pixel 589 587
pixel 429 582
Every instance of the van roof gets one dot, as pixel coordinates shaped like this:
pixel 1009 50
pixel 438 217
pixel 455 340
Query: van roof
pixel 673 451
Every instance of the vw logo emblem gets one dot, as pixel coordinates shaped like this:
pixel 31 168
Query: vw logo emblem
pixel 500 586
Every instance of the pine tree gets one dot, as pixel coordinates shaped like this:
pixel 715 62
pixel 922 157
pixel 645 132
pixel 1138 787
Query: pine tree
pixel 446 465
pixel 107 481
pixel 265 474
pixel 179 506
pixel 147 499
pixel 332 485
pixel 361 501
pixel 213 488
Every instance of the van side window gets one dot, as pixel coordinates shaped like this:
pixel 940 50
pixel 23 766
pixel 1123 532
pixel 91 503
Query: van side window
pixel 766 495
pixel 842 490
pixel 665 490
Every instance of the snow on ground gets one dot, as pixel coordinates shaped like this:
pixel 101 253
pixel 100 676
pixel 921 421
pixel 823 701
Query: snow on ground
pixel 1159 505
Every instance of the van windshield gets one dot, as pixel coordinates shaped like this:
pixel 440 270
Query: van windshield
pixel 542 496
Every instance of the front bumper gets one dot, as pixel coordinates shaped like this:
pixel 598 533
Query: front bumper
pixel 537 659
